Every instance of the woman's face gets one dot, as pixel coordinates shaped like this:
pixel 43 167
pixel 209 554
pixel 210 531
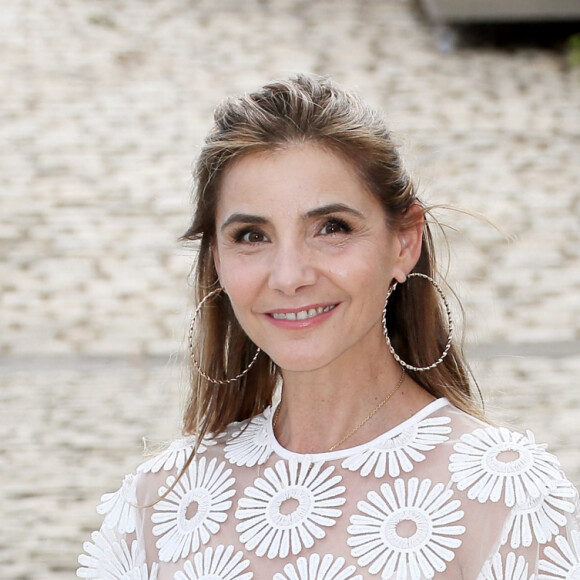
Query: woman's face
pixel 305 255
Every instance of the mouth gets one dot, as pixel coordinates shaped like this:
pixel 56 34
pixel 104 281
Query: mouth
pixel 302 314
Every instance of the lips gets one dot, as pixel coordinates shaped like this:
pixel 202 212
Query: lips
pixel 302 314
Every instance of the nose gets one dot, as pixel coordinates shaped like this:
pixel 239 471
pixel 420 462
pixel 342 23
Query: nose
pixel 292 268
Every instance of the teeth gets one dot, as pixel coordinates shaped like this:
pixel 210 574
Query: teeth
pixel 302 314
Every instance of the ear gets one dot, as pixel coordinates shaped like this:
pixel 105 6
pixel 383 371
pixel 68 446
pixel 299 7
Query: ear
pixel 410 237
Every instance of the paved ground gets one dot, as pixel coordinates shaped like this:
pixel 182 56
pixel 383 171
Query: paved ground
pixel 103 107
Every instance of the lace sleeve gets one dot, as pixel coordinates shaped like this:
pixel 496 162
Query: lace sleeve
pixel 117 550
pixel 541 539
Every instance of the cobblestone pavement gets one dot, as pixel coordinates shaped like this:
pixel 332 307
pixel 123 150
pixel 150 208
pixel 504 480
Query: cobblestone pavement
pixel 103 107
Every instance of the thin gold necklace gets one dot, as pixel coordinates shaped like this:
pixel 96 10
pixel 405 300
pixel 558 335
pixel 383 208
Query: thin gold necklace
pixel 362 423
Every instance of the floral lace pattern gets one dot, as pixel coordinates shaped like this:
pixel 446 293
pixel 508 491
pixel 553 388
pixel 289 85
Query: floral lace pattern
pixel 120 508
pixel 442 496
pixel 251 443
pixel 108 558
pixel 496 463
pixel 206 488
pixel 175 455
pixel 409 528
pixel 562 561
pixel 540 518
pixel 218 564
pixel 514 568
pixel 399 453
pixel 317 568
pixel 268 528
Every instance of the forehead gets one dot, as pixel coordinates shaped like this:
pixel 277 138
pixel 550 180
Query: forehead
pixel 298 178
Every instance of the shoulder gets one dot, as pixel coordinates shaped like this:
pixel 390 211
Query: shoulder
pixel 497 465
pixel 494 462
pixel 245 443
pixel 511 489
pixel 176 454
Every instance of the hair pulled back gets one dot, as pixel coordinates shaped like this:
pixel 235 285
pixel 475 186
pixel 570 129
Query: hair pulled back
pixel 307 109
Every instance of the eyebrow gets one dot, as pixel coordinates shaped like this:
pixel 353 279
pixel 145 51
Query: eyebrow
pixel 243 218
pixel 333 208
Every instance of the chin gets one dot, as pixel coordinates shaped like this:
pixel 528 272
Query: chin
pixel 302 364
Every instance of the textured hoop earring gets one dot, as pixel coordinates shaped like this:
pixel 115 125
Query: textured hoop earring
pixel 196 364
pixel 449 320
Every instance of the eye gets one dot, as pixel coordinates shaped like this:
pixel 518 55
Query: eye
pixel 249 236
pixel 335 226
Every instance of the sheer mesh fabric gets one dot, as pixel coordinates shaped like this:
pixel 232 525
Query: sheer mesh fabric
pixel 443 495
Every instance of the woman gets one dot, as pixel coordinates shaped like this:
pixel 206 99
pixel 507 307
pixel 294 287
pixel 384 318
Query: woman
pixel 315 272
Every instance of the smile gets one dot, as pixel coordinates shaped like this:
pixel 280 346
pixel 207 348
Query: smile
pixel 302 314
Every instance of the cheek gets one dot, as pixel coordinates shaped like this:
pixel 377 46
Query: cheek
pixel 367 273
pixel 227 266
pixel 368 286
pixel 240 281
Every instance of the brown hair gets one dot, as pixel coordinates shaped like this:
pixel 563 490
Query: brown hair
pixel 307 109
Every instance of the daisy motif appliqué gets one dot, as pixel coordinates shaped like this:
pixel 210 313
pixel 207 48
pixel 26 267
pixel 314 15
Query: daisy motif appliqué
pixel 251 443
pixel 399 453
pixel 120 508
pixel 193 510
pixel 495 463
pixel 563 561
pixel 513 568
pixel 318 568
pixel 289 507
pixel 175 456
pixel 541 518
pixel 108 558
pixel 218 564
pixel 408 530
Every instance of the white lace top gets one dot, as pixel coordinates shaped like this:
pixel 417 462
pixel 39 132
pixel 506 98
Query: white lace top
pixel 443 495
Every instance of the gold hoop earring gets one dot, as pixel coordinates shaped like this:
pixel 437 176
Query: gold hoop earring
pixel 196 364
pixel 449 320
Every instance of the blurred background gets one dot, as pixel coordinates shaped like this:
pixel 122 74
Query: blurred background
pixel 103 108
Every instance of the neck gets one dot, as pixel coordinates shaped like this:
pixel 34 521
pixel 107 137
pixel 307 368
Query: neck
pixel 340 407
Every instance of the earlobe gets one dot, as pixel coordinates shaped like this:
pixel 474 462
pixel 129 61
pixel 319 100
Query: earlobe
pixel 399 276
